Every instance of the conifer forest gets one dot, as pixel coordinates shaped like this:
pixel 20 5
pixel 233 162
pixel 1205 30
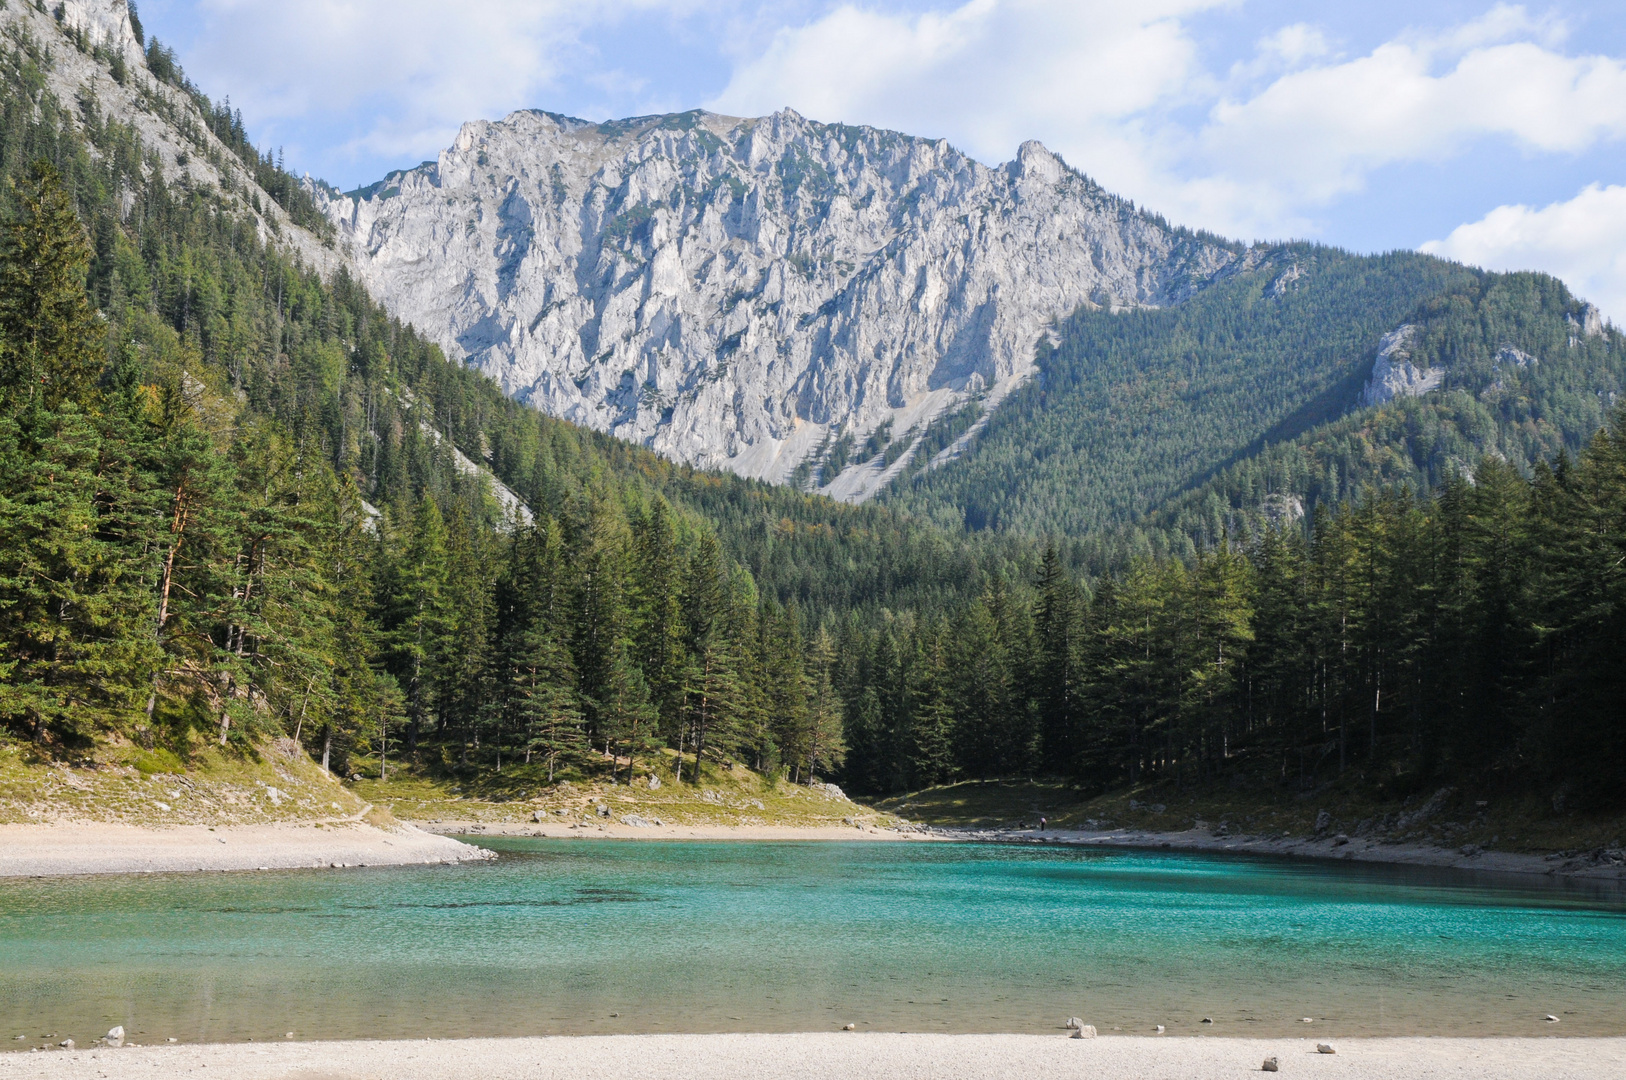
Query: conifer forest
pixel 238 502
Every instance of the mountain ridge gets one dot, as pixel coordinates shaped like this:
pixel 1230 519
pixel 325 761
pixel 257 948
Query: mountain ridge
pixel 742 293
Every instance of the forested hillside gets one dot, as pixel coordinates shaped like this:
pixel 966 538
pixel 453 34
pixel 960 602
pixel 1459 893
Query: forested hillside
pixel 1475 633
pixel 232 506
pixel 239 501
pixel 1161 432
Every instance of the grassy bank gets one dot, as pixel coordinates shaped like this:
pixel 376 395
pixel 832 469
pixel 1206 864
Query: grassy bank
pixel 126 784
pixel 1447 817
pixel 430 787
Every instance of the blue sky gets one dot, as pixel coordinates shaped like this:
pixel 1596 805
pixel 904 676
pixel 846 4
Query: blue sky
pixel 1490 132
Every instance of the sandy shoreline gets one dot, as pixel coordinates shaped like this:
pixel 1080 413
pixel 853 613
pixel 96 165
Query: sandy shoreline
pixel 69 849
pixel 1355 850
pixel 837 1056
pixel 1352 849
pixel 89 848
pixel 617 831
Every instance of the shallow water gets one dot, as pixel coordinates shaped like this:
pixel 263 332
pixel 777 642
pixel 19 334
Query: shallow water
pixel 556 937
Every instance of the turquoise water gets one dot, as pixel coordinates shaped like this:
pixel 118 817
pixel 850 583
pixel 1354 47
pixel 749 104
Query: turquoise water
pixel 557 936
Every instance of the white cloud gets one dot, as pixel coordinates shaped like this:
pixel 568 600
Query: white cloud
pixel 1293 45
pixel 987 74
pixel 1317 134
pixel 1111 86
pixel 414 69
pixel 1265 143
pixel 1582 241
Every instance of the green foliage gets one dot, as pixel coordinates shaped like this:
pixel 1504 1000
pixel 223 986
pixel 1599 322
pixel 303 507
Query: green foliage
pixel 1470 636
pixel 231 508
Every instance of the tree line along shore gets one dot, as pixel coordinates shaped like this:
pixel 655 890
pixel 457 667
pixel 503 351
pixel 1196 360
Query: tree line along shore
pixel 239 503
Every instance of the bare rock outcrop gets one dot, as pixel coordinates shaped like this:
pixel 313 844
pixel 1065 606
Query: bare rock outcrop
pixel 741 293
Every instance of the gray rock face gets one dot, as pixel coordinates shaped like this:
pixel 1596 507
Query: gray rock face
pixel 736 293
pixel 105 22
pixel 176 135
pixel 1394 375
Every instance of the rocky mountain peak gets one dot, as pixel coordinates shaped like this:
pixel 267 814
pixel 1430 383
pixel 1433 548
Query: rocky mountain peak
pixel 751 293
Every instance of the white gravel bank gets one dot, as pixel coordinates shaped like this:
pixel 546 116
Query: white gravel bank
pixel 53 850
pixel 838 1057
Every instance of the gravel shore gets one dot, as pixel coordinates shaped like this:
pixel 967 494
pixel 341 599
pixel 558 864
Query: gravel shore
pixel 1587 865
pixel 53 850
pixel 839 1056
pixel 614 830
pixel 1355 849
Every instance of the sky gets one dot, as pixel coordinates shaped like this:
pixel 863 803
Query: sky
pixel 1493 133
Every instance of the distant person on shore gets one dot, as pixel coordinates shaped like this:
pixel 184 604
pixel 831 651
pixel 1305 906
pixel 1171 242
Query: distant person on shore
pixel 1042 823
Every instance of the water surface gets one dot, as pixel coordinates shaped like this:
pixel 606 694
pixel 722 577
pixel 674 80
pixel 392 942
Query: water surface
pixel 556 937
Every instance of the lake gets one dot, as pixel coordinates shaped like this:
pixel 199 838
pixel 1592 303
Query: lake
pixel 598 937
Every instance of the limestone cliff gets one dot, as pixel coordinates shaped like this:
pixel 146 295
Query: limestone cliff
pixel 739 293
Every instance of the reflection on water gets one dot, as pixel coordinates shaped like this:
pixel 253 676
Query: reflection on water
pixel 557 936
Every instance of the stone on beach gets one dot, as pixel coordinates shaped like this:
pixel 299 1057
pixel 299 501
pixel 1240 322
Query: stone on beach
pixel 1323 1048
pixel 1270 1065
pixel 1085 1031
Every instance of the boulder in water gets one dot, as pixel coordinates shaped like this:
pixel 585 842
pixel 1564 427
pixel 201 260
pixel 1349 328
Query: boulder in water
pixel 1159 1029
pixel 66 1044
pixel 850 1027
pixel 1074 1023
pixel 115 1037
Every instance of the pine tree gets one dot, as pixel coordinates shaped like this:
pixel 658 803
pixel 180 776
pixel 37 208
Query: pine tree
pixel 656 587
pixel 826 748
pixel 932 758
pixel 69 600
pixel 415 614
pixel 52 346
pixel 713 690
pixel 1056 675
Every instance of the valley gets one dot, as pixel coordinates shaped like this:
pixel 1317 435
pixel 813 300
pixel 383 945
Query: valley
pixel 796 452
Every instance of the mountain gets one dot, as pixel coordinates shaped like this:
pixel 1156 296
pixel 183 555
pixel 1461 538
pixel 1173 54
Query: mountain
pixel 756 295
pixel 241 501
pixel 1281 388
